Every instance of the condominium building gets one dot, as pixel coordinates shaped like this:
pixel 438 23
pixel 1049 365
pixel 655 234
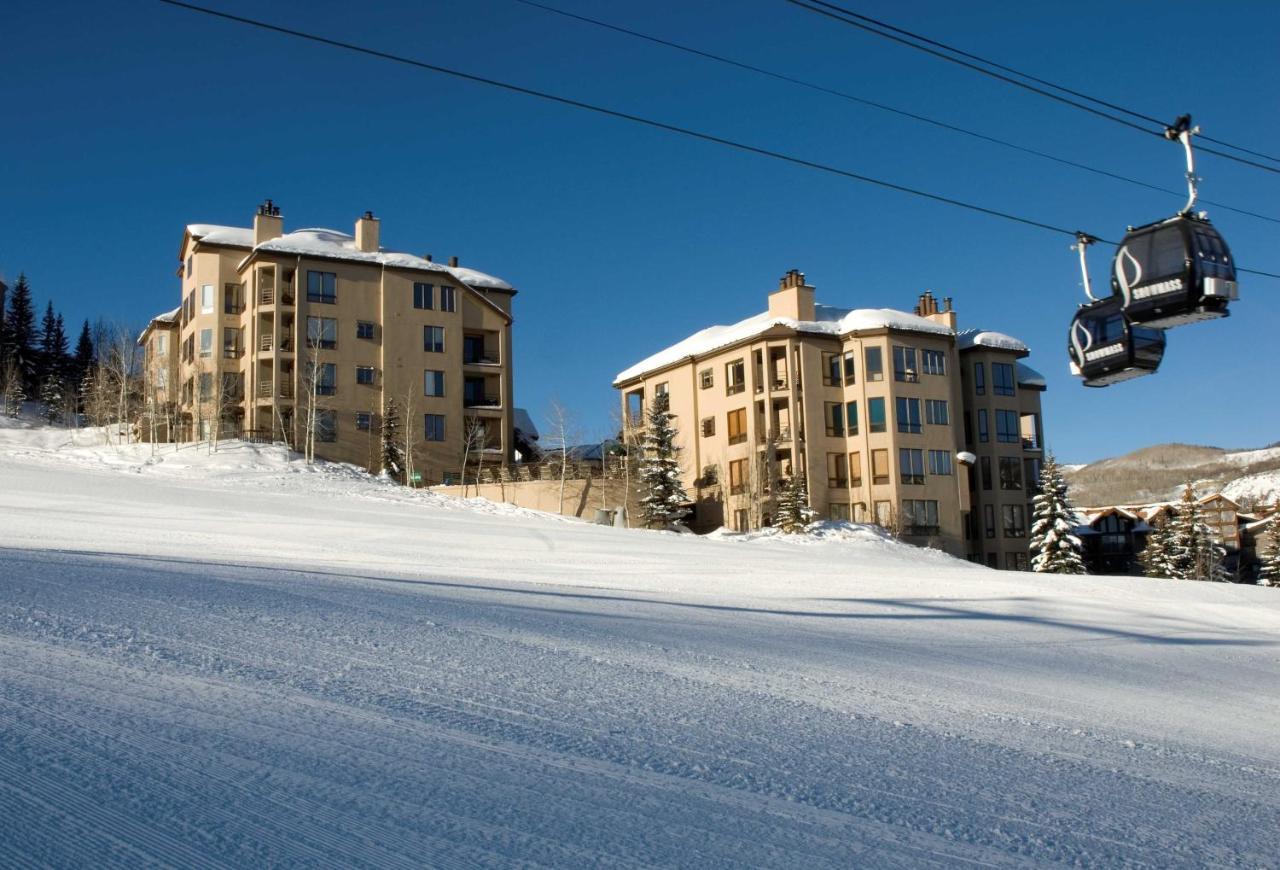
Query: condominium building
pixel 868 403
pixel 315 330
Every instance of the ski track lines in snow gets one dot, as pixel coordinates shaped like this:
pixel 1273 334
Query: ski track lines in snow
pixel 351 676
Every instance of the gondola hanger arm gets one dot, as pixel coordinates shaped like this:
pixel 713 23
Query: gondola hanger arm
pixel 1083 241
pixel 1182 130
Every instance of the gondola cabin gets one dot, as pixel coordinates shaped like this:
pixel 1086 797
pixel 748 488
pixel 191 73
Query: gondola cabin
pixel 1106 348
pixel 1174 272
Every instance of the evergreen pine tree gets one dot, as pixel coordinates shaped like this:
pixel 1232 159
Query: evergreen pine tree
pixel 662 495
pixel 1154 558
pixel 1054 547
pixel 1185 545
pixel 82 364
pixel 392 450
pixel 58 347
pixel 20 327
pixel 47 361
pixel 4 326
pixel 794 513
pixel 52 399
pixel 1269 572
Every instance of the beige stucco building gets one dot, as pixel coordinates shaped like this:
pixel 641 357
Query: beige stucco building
pixel 873 404
pixel 271 322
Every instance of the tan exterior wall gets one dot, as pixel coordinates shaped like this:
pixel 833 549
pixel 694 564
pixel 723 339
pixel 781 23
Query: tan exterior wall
pixel 271 356
pixel 582 498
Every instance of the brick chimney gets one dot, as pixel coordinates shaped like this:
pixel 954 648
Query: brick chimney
pixel 453 261
pixel 793 298
pixel 927 307
pixel 267 223
pixel 367 233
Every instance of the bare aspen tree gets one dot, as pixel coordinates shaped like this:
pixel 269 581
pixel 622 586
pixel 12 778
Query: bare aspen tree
pixel 473 438
pixel 310 385
pixel 408 429
pixel 562 430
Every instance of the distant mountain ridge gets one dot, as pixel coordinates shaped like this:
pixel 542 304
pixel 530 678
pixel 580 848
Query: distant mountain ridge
pixel 1158 473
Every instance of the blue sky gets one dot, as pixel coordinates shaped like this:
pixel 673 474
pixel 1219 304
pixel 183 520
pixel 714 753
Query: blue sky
pixel 127 121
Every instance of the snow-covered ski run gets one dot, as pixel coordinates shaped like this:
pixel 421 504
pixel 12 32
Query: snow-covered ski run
pixel 237 660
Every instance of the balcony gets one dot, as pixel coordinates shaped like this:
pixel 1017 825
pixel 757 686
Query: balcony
pixel 232 351
pixel 838 482
pixel 481 400
pixel 266 341
pixel 480 359
pixel 778 384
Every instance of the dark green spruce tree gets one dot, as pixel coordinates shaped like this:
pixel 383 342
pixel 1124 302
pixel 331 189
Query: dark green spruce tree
pixel 20 326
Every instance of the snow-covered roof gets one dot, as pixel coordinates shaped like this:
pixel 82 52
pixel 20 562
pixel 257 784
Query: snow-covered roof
pixel 321 242
pixel 828 321
pixel 520 419
pixel 213 234
pixel 1029 377
pixel 969 338
pixel 167 318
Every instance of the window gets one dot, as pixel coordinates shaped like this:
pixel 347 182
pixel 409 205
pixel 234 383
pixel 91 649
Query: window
pixel 433 427
pixel 834 413
pixel 232 298
pixel 740 521
pixel 1031 474
pixel 326 379
pixel 735 377
pixel 322 332
pixel 1010 473
pixel 322 287
pixel 911 465
pixel 935 412
pixel 908 415
pixel 837 470
pixel 190 263
pixel 855 468
pixel 940 462
pixel 1008 427
pixel 206 386
pixel 1002 379
pixel 433 339
pixel 364 329
pixel 364 421
pixel 1015 561
pixel 424 296
pixel 231 342
pixel 849 363
pixel 1030 431
pixel 919 516
pixel 984 432
pixel 986 472
pixel 880 466
pixel 708 426
pixel 162 344
pixel 365 375
pixel 737 476
pixel 448 298
pixel 432 383
pixel 979 379
pixel 206 298
pixel 831 376
pixel 851 418
pixel 883 512
pixel 737 426
pixel 875 415
pixel 706 379
pixel 326 425
pixel 904 365
pixel 1014 525
pixel 661 389
pixel 989 520
pixel 206 343
pixel 875 365
pixel 838 511
pixel 933 362
pixel 968 428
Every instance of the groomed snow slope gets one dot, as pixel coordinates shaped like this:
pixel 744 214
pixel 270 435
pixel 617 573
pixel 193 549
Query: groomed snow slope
pixel 233 660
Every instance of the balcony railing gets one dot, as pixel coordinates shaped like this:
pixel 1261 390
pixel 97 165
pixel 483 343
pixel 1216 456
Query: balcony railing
pixel 266 341
pixel 476 400
pixel 838 482
pixel 264 389
pixel 480 359
pixel 232 352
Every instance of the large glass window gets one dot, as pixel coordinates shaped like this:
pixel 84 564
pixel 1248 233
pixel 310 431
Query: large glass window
pixel 834 413
pixel 206 343
pixel 989 519
pixel 984 431
pixel 1008 427
pixel 875 415
pixel 737 421
pixel 433 339
pixel 837 470
pixel 424 296
pixel 850 366
pixel 979 379
pixel 364 329
pixel 206 298
pixel 1010 472
pixel 737 476
pixel 831 375
pixel 875 364
pixel 322 287
pixel 908 415
pixel 855 468
pixel 940 462
pixel 1002 383
pixel 1015 525
pixel 433 383
pixel 911 465
pixel 904 364
pixel 919 516
pixel 735 377
pixel 851 418
pixel 326 379
pixel 448 298
pixel 935 412
pixel 433 427
pixel 880 466
pixel 933 362
pixel 322 332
